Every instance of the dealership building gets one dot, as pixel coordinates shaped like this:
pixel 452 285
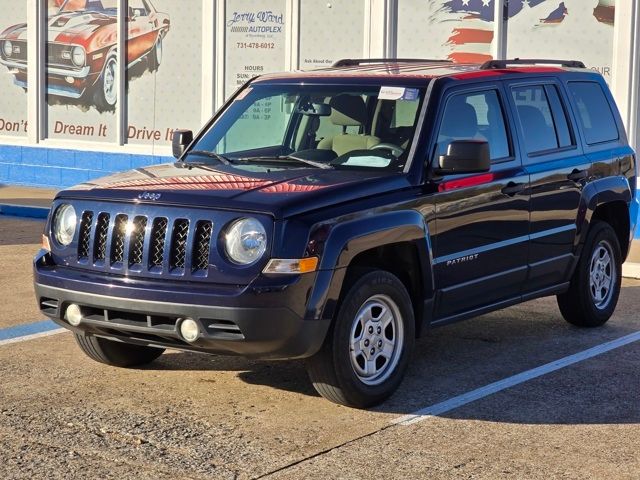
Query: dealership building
pixel 90 87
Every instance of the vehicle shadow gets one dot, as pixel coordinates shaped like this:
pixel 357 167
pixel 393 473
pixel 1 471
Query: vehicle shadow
pixel 459 358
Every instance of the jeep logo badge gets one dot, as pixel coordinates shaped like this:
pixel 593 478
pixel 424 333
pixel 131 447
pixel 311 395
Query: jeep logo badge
pixel 149 196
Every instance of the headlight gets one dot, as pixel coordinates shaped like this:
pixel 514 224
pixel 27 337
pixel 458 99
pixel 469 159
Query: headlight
pixel 78 56
pixel 245 241
pixel 7 48
pixel 64 224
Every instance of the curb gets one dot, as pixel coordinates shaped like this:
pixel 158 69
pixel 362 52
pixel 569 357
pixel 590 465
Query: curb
pixel 631 270
pixel 23 211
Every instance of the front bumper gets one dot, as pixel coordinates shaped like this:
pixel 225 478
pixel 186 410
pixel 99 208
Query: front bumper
pixel 256 322
pixel 56 79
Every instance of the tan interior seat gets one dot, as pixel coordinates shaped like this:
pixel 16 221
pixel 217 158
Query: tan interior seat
pixel 348 111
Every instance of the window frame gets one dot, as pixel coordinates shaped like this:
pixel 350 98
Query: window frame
pixel 470 89
pixel 568 111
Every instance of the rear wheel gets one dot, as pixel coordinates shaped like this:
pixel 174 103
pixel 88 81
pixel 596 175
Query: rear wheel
pixel 155 57
pixel 117 354
pixel 367 350
pixel 593 293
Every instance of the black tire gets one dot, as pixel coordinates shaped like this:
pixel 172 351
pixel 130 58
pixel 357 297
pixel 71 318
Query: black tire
pixel 155 56
pixel 580 305
pixel 105 91
pixel 117 354
pixel 331 370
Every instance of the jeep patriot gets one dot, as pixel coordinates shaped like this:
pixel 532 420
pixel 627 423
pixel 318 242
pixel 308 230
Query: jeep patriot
pixel 337 215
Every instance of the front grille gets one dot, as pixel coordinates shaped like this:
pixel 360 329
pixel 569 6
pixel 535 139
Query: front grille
pixel 158 236
pixel 136 244
pixel 84 240
pixel 100 243
pixel 129 243
pixel 179 243
pixel 59 54
pixel 117 241
pixel 202 245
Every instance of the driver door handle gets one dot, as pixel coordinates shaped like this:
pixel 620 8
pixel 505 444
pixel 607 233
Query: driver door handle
pixel 513 188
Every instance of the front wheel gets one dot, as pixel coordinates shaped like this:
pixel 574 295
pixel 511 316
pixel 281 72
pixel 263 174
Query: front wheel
pixel 595 286
pixel 105 94
pixel 116 354
pixel 366 352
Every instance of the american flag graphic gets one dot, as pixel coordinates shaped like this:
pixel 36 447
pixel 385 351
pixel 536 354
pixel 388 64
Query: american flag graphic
pixel 470 40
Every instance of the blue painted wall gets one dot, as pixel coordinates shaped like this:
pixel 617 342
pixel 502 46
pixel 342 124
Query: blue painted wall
pixel 57 168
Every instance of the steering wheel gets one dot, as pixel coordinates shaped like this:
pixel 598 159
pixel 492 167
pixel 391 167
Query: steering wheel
pixel 392 147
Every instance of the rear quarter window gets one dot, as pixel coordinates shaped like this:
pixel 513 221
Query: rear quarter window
pixel 594 112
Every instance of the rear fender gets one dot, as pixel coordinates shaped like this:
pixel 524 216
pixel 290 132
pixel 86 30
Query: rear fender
pixel 595 194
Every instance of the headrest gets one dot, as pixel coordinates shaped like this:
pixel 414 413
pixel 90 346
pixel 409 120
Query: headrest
pixel 461 120
pixel 348 110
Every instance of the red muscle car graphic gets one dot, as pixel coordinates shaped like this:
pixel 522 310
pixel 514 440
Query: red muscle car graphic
pixel 81 48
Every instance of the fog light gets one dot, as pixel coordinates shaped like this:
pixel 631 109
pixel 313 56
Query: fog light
pixel 189 330
pixel 69 79
pixel 74 315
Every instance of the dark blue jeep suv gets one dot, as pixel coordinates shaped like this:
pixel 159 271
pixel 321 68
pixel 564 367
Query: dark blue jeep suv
pixel 337 215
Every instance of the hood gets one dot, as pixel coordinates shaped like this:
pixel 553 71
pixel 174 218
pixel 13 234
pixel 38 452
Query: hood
pixel 15 32
pixel 282 193
pixel 71 27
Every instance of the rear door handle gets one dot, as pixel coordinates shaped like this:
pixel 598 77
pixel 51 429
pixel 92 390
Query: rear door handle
pixel 577 175
pixel 513 188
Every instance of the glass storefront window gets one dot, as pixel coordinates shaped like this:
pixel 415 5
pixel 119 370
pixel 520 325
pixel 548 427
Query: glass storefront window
pixel 585 32
pixel 81 69
pixel 13 69
pixel 164 75
pixel 460 31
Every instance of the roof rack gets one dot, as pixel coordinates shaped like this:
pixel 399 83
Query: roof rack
pixel 353 62
pixel 500 64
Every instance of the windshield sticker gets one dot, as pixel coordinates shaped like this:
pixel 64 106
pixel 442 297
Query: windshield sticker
pixel 372 161
pixel 398 93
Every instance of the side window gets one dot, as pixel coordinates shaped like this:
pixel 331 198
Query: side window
pixel 137 8
pixel 476 115
pixel 535 116
pixel 594 112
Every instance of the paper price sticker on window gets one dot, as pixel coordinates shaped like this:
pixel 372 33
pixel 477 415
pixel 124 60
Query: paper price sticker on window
pixel 398 93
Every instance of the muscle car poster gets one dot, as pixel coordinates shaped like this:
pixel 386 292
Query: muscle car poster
pixel 81 87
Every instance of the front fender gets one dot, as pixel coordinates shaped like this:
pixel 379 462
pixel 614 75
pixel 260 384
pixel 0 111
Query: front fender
pixel 348 239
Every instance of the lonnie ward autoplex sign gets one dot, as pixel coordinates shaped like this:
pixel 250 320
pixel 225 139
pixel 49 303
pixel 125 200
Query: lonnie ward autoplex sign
pixel 255 40
pixel 82 63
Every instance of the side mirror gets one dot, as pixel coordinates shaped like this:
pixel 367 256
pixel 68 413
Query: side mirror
pixel 465 156
pixel 181 140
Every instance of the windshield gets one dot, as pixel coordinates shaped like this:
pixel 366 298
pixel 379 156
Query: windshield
pixel 361 127
pixel 91 5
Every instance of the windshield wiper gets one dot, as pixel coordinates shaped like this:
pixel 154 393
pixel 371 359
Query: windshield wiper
pixel 290 157
pixel 204 153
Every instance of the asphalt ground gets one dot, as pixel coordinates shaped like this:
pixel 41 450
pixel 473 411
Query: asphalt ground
pixel 195 416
